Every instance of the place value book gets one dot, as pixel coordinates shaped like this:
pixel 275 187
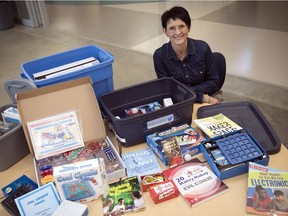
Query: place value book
pixel 195 181
pixel 124 196
pixel 217 125
pixel 141 162
pixel 265 185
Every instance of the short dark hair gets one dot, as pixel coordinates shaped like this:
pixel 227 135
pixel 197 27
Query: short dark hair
pixel 176 12
pixel 278 193
pixel 137 194
pixel 258 188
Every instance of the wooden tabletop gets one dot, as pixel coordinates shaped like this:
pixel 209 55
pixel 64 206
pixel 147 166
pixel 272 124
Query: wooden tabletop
pixel 230 203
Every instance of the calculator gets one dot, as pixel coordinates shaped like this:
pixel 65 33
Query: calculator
pixel 9 202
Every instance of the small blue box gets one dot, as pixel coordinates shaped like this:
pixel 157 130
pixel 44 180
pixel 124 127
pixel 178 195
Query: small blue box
pixel 186 137
pixel 100 74
pixel 222 161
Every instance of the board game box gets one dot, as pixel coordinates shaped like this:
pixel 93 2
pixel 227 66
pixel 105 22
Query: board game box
pixel 83 181
pixel 183 137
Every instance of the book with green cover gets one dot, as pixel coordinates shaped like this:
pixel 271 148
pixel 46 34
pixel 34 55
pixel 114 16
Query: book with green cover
pixel 124 196
pixel 216 125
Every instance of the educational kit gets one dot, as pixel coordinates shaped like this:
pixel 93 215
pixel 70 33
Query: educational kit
pixel 75 162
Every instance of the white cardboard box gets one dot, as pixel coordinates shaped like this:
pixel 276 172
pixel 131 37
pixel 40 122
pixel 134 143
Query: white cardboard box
pixel 83 181
pixel 59 98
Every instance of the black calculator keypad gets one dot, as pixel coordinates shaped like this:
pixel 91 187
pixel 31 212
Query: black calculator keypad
pixel 9 202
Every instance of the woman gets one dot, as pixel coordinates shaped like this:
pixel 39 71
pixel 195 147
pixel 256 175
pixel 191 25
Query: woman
pixel 261 200
pixel 186 60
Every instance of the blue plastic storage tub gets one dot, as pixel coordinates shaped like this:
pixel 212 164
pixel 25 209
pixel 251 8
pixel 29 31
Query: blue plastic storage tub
pixel 100 74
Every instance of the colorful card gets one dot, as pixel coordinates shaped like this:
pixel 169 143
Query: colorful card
pixel 56 134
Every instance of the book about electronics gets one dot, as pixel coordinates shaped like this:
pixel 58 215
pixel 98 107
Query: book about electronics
pixel 195 181
pixel 124 196
pixel 217 125
pixel 267 190
pixel 56 134
pixel 142 162
pixel 82 181
pixel 185 136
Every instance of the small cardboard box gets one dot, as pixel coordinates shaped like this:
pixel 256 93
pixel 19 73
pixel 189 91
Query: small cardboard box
pixel 148 181
pixel 165 191
pixel 75 95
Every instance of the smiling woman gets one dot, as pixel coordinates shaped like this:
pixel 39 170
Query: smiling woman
pixel 185 59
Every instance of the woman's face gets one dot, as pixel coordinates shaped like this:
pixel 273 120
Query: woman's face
pixel 263 193
pixel 177 31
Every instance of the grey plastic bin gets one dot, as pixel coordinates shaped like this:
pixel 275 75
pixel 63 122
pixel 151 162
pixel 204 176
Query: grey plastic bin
pixel 13 144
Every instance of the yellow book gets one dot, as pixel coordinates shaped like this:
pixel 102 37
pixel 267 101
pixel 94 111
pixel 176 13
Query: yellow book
pixel 217 125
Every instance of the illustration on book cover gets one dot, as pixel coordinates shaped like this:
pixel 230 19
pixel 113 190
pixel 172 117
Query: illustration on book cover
pixel 195 181
pixel 141 162
pixel 124 196
pixel 267 190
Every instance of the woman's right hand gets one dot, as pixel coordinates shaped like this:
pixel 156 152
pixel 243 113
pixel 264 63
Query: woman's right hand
pixel 210 100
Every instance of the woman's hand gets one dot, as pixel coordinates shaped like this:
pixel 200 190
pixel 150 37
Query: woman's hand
pixel 210 100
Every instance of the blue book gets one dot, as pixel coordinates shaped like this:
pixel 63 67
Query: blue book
pixel 42 201
pixel 142 162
